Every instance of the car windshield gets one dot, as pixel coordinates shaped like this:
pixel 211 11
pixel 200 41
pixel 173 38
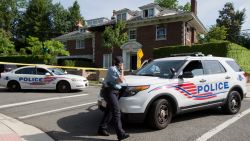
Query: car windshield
pixel 161 68
pixel 57 71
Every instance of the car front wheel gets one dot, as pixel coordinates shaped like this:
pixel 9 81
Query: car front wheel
pixel 160 114
pixel 63 87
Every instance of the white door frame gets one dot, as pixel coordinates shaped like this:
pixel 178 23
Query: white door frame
pixel 127 49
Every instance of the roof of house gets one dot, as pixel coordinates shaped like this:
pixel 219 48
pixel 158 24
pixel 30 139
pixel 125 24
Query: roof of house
pixel 73 35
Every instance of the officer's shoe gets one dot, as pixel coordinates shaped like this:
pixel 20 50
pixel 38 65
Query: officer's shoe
pixel 103 132
pixel 122 137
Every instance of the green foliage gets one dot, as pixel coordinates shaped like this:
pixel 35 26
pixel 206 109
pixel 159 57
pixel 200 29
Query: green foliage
pixel 70 63
pixel 61 22
pixel 6 46
pixel 173 4
pixel 22 59
pixel 219 48
pixel 216 33
pixel 186 7
pixel 49 50
pixel 36 21
pixel 75 15
pixel 232 20
pixel 115 36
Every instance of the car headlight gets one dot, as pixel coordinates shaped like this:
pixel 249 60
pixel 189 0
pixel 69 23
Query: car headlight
pixel 133 90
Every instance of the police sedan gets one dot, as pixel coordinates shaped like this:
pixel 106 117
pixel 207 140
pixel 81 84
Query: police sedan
pixel 42 77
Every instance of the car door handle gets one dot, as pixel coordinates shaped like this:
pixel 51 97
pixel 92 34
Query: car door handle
pixel 227 77
pixel 203 80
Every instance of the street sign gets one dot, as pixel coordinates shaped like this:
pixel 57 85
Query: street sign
pixel 140 53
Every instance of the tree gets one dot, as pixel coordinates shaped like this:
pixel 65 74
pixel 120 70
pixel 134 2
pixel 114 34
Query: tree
pixel 115 36
pixel 173 4
pixel 6 46
pixel 75 16
pixel 37 19
pixel 49 49
pixel 216 33
pixel 10 11
pixel 232 20
pixel 61 23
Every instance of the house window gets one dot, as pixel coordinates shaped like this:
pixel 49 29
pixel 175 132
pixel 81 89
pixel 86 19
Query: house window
pixel 161 33
pixel 80 44
pixel 107 60
pixel 122 16
pixel 148 13
pixel 132 34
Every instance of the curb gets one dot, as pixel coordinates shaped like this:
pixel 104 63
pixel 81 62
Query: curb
pixel 24 131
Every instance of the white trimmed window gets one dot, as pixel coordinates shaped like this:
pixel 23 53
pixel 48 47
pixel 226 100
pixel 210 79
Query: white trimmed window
pixel 122 16
pixel 132 34
pixel 161 33
pixel 107 60
pixel 80 44
pixel 148 13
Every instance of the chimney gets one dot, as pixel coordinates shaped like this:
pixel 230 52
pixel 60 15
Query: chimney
pixel 194 6
pixel 113 16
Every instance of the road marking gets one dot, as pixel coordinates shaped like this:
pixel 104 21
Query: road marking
pixel 40 100
pixel 57 110
pixel 222 126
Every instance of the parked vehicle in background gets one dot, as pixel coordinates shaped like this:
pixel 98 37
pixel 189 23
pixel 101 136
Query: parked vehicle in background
pixel 42 77
pixel 7 67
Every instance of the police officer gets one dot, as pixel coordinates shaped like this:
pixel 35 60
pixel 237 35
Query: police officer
pixel 112 87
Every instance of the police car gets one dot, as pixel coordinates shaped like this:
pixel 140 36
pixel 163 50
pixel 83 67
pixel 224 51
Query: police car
pixel 42 77
pixel 179 84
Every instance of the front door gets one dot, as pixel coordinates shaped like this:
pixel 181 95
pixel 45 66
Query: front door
pixel 133 62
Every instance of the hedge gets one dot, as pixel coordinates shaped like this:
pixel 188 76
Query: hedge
pixel 22 59
pixel 221 49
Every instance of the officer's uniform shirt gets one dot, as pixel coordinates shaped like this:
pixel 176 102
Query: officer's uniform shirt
pixel 112 75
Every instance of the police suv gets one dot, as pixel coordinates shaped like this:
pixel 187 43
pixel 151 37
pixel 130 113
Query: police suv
pixel 41 77
pixel 183 83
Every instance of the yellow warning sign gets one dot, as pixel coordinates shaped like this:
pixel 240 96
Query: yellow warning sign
pixel 140 53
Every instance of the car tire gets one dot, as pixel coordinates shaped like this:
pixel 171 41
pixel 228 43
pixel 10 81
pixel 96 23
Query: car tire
pixel 63 87
pixel 233 103
pixel 160 114
pixel 13 86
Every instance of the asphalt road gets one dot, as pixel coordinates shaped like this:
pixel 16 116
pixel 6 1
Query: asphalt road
pixel 74 116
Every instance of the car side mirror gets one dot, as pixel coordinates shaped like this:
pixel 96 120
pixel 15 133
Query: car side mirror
pixel 47 74
pixel 187 74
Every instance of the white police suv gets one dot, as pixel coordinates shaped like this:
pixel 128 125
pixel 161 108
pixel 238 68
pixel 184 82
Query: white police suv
pixel 186 82
pixel 42 77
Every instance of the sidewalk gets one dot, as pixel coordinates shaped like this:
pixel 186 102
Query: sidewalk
pixel 14 130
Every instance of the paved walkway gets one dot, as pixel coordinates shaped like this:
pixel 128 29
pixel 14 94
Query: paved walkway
pixel 14 130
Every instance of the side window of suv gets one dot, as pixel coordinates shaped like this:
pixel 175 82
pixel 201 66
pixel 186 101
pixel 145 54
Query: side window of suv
pixel 213 67
pixel 26 71
pixel 234 66
pixel 195 67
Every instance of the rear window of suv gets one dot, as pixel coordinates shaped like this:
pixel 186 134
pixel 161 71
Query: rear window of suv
pixel 234 66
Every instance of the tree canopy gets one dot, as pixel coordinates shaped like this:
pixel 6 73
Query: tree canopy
pixel 232 20
pixel 6 46
pixel 115 36
pixel 173 4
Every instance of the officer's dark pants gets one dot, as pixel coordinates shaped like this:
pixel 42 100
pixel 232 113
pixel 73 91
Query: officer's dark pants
pixel 112 111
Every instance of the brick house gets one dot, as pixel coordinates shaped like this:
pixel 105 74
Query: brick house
pixel 149 28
